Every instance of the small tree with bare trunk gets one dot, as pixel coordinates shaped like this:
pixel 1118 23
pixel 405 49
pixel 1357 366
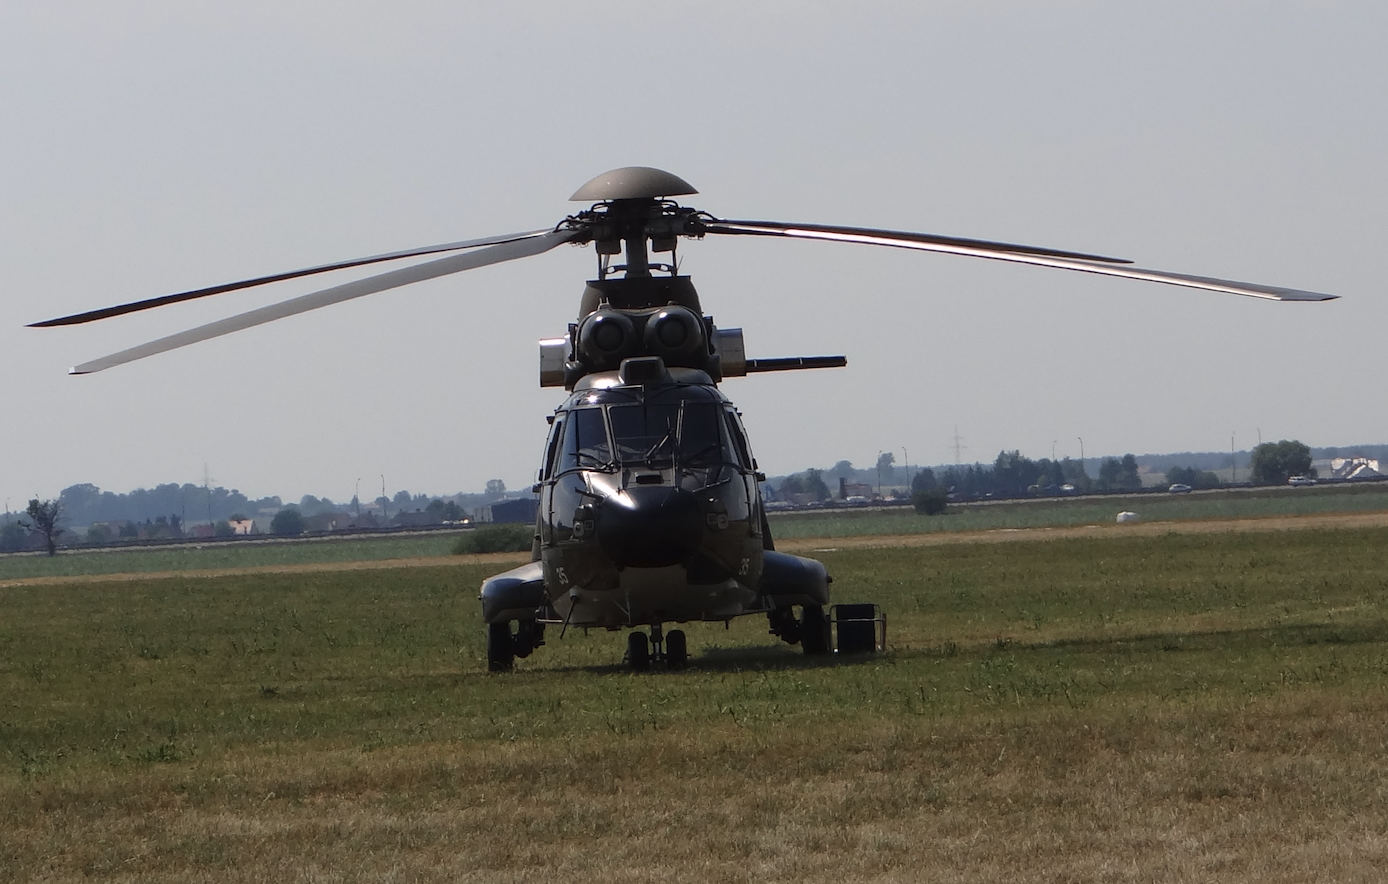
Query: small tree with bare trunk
pixel 44 516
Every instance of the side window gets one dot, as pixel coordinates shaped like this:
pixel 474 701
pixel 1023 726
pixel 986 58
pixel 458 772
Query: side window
pixel 744 456
pixel 556 435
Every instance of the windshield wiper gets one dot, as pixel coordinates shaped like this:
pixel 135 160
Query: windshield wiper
pixel 650 453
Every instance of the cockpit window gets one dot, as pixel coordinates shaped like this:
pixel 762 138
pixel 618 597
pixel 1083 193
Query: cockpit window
pixel 585 440
pixel 744 455
pixel 556 436
pixel 654 435
pixel 645 434
pixel 701 444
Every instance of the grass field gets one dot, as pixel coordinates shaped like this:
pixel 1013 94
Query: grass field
pixel 1243 504
pixel 1163 708
pixel 1233 504
pixel 226 554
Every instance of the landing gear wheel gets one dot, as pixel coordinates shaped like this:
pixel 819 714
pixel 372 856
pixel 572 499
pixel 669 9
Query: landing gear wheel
pixel 814 631
pixel 638 652
pixel 676 650
pixel 501 653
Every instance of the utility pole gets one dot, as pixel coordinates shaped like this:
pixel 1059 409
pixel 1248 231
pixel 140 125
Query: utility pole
pixel 958 459
pixel 385 501
pixel 907 458
pixel 1082 470
pixel 1233 461
pixel 879 474
pixel 356 496
pixel 207 486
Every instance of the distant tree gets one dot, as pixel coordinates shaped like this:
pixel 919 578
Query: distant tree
pixel 402 498
pixel 1119 475
pixel 885 460
pixel 842 470
pixel 223 529
pixel 496 486
pixel 12 537
pixel 288 522
pixel 1273 462
pixel 924 480
pixel 814 485
pixel 1191 476
pixel 45 517
pixel 99 533
pixel 792 485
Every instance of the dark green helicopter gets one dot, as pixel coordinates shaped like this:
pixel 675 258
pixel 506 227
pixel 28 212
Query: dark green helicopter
pixel 650 510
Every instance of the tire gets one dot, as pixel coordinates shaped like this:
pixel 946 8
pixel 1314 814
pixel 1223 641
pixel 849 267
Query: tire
pixel 814 631
pixel 501 654
pixel 676 650
pixel 638 652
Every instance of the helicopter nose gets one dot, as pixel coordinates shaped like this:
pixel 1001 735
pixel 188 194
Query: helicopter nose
pixel 650 527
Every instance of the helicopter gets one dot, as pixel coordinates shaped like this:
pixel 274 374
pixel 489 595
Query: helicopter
pixel 650 509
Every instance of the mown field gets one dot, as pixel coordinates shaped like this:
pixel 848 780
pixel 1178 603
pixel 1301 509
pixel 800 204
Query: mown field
pixel 225 554
pixel 1155 507
pixel 1205 707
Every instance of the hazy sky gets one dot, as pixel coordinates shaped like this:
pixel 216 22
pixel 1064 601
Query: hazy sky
pixel 154 147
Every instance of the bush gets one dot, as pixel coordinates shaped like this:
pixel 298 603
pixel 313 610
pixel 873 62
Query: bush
pixel 930 503
pixel 495 538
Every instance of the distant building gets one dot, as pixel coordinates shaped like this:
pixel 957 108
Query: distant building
pixel 325 522
pixel 242 526
pixel 1354 468
pixel 417 519
pixel 849 489
pixel 522 510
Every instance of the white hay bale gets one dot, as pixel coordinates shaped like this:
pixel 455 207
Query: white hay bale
pixel 1127 517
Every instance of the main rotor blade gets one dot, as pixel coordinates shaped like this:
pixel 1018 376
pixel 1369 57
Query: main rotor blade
pixel 163 300
pixel 928 241
pixel 522 248
pixel 887 238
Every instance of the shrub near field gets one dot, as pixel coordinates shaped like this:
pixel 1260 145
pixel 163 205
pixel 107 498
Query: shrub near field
pixel 1196 708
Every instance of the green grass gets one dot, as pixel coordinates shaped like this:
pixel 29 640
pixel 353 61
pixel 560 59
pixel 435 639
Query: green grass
pixel 1085 511
pixel 1178 707
pixel 228 554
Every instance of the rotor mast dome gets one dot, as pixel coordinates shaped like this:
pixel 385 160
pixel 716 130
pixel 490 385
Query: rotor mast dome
pixel 632 183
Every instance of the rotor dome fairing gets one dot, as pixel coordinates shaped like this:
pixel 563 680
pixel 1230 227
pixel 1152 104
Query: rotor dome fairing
pixel 632 183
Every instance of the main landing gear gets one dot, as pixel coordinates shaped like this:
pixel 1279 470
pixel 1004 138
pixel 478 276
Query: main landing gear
pixel 811 630
pixel 861 628
pixel 672 649
pixel 504 646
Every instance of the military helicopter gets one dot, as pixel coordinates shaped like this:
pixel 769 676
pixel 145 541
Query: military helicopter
pixel 650 510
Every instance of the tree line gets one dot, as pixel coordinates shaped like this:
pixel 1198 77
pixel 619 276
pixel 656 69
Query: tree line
pixel 1013 475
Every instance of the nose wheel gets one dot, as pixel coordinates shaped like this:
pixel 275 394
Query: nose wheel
pixel 672 649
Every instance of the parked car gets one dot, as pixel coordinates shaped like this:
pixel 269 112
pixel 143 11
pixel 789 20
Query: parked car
pixel 1179 488
pixel 1301 480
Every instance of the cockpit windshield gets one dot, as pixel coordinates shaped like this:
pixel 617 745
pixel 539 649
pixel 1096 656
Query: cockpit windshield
pixel 653 435
pixel 645 434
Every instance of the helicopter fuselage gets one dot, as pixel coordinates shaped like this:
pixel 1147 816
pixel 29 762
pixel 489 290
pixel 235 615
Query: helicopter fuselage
pixel 650 513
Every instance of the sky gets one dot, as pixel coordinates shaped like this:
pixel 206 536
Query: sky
pixel 153 147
